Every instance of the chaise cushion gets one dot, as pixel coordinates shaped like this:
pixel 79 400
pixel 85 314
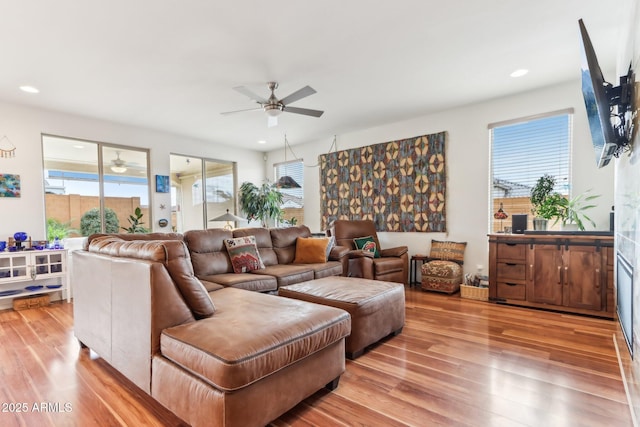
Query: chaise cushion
pixel 273 333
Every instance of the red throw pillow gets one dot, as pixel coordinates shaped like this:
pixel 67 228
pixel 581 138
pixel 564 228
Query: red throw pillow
pixel 243 253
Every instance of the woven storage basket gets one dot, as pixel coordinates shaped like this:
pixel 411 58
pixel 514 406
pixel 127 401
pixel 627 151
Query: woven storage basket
pixel 33 301
pixel 474 292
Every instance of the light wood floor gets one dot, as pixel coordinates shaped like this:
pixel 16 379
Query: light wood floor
pixel 457 363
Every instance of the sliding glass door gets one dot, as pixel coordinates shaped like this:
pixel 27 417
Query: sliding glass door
pixel 195 201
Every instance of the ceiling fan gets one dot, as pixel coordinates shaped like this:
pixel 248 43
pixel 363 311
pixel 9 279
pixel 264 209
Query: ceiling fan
pixel 118 165
pixel 274 106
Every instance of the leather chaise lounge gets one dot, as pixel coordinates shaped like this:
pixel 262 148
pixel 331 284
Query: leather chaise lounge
pixel 214 355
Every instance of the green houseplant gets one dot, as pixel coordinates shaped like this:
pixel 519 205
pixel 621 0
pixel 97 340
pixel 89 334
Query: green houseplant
pixel 545 203
pixel 260 203
pixel 571 211
pixel 135 223
pixel 58 229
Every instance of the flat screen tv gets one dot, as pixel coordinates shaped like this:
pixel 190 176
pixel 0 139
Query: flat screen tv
pixel 608 107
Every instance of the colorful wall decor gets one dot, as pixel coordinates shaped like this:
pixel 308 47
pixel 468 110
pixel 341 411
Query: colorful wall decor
pixel 162 184
pixel 9 185
pixel 399 185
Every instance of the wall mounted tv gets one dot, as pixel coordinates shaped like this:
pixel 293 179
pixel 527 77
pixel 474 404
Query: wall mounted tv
pixel 609 108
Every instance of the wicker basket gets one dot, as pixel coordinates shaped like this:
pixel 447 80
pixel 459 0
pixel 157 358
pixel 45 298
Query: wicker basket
pixel 474 292
pixel 32 301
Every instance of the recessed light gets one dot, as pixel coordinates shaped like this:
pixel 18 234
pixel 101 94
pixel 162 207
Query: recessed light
pixel 78 146
pixel 262 141
pixel 519 73
pixel 29 89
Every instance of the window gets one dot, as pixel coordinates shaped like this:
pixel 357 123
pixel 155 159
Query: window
pixel 194 201
pixel 293 198
pixel 93 187
pixel 521 152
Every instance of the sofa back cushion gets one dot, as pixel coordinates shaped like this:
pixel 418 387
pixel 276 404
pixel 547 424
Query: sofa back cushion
pixel 208 253
pixel 175 257
pixel 284 241
pixel 263 242
pixel 134 236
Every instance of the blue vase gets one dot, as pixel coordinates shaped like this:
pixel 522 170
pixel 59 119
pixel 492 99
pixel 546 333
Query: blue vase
pixel 20 236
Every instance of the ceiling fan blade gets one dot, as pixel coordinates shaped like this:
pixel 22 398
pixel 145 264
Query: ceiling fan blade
pixel 241 111
pixel 297 95
pixel 305 111
pixel 243 90
pixel 272 121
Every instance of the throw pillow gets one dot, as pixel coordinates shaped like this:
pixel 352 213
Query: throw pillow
pixel 367 244
pixel 243 253
pixel 447 251
pixel 311 250
pixel 331 245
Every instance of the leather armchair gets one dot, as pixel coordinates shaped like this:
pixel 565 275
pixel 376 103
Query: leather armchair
pixel 391 266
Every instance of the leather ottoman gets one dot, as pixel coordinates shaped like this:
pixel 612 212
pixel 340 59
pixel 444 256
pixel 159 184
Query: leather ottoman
pixel 376 307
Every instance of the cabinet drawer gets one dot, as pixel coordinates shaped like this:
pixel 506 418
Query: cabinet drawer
pixel 511 271
pixel 511 290
pixel 512 251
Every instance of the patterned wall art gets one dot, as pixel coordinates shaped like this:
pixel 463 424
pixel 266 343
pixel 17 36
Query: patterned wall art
pixel 399 185
pixel 9 185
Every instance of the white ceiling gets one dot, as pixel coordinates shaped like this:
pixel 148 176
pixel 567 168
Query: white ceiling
pixel 171 65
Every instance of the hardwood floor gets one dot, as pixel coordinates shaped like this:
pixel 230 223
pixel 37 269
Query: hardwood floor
pixel 457 363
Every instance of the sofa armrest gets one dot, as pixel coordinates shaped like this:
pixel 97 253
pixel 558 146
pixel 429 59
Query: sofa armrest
pixel 394 252
pixel 338 252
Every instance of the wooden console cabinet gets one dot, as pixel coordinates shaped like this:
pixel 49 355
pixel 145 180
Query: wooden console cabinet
pixel 572 273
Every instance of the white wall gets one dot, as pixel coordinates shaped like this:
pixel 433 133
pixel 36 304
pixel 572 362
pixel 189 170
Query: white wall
pixel 468 165
pixel 24 126
pixel 627 195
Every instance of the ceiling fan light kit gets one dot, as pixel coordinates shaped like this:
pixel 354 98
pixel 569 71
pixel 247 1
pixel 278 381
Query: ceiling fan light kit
pixel 273 106
pixel 118 165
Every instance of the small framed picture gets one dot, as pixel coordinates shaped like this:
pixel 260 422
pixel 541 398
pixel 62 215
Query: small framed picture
pixel 9 185
pixel 162 184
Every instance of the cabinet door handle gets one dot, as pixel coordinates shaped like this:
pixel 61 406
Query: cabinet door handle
pixel 566 275
pixel 598 276
pixel 510 264
pixel 559 274
pixel 511 284
pixel 531 271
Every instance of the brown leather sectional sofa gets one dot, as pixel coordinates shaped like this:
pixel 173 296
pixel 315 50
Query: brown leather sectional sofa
pixel 213 354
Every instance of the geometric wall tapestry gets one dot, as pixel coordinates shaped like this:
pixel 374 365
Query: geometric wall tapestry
pixel 399 185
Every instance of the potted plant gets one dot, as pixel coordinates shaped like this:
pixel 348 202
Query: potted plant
pixel 260 203
pixel 58 230
pixel 545 202
pixel 571 211
pixel 135 223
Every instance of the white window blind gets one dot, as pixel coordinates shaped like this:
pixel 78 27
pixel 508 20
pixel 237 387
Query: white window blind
pixel 521 152
pixel 293 198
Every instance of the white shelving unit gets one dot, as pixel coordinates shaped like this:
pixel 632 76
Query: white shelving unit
pixel 34 272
